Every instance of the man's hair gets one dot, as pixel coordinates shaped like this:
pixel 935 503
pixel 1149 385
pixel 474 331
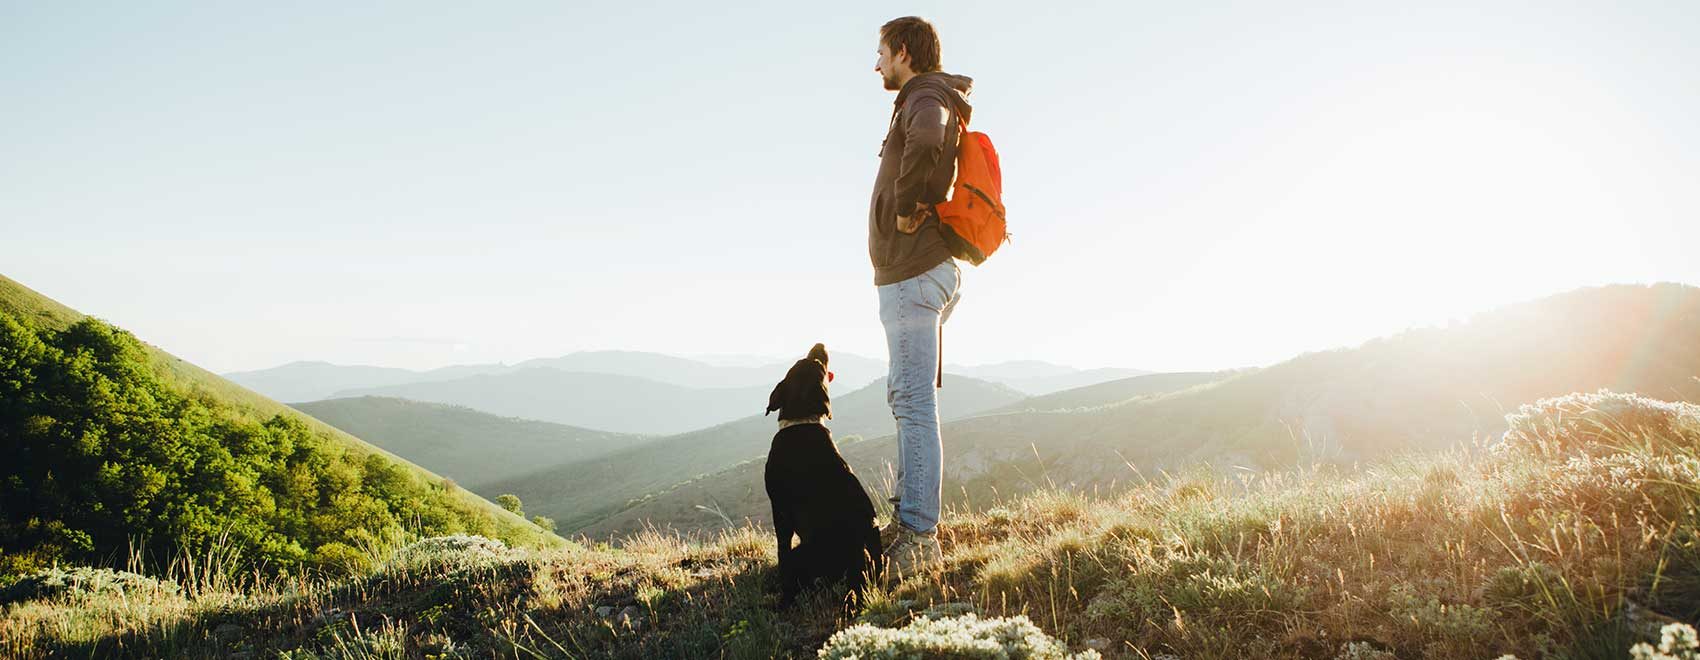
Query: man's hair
pixel 918 36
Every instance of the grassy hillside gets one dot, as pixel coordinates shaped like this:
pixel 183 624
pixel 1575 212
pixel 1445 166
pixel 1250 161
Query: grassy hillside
pixel 1120 390
pixel 1573 538
pixel 1420 390
pixel 114 446
pixel 471 447
pixel 581 493
pixel 1039 378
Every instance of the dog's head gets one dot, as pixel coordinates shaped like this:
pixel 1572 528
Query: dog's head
pixel 803 392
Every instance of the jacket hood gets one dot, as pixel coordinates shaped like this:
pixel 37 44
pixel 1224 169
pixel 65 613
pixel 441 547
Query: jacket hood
pixel 952 88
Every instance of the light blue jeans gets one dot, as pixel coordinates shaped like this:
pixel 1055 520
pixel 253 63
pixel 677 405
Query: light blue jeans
pixel 912 312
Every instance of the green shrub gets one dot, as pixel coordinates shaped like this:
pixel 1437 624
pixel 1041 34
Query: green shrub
pixel 511 502
pixel 83 582
pixel 451 553
pixel 341 559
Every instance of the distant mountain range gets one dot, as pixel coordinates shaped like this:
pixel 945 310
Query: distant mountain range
pixel 1415 391
pixel 688 456
pixel 621 404
pixel 311 381
pixel 623 391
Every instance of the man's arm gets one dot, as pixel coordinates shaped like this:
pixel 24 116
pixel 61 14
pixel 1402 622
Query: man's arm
pixel 926 120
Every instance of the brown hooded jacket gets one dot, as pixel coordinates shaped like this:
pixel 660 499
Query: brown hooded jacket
pixel 917 164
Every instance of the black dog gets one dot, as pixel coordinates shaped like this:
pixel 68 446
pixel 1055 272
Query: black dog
pixel 814 493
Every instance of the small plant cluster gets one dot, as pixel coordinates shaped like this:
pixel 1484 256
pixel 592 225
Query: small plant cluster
pixel 451 553
pixel 83 582
pixel 1366 651
pixel 1677 641
pixel 967 636
pixel 1605 419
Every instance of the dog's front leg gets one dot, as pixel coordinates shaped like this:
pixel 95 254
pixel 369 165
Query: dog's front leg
pixel 788 578
pixel 783 530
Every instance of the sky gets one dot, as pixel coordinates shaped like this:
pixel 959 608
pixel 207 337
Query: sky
pixel 1189 185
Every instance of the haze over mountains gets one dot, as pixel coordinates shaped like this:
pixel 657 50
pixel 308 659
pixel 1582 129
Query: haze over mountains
pixel 311 381
pixel 622 404
pixel 605 390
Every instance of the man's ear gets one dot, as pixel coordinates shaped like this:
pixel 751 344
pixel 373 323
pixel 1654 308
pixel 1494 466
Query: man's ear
pixel 903 52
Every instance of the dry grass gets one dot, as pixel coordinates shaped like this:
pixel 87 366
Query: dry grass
pixel 1575 538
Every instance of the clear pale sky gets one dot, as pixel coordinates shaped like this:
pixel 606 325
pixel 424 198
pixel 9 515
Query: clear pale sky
pixel 1190 186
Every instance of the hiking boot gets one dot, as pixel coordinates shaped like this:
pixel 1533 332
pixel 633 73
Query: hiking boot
pixel 890 533
pixel 912 553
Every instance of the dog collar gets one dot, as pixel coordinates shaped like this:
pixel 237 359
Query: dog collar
pixel 788 423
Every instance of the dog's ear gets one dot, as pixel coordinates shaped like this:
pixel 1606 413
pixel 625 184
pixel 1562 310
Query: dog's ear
pixel 825 401
pixel 775 400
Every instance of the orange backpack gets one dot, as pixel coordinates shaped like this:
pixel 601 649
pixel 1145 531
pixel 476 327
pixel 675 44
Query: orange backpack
pixel 972 217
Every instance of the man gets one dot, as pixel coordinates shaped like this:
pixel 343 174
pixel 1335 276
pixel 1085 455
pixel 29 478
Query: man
pixel 918 280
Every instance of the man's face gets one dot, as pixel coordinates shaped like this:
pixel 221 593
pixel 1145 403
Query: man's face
pixel 888 64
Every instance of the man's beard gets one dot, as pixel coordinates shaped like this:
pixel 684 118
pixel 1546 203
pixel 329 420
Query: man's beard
pixel 890 82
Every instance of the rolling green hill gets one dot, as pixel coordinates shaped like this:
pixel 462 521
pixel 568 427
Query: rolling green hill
pixel 111 442
pixel 580 493
pixel 1416 391
pixel 473 448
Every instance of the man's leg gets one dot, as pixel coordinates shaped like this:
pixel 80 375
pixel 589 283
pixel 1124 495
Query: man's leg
pixel 911 312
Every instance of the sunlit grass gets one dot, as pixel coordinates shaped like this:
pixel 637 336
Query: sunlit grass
pixel 1577 536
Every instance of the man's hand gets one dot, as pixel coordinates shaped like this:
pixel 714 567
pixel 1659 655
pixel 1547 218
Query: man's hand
pixel 908 224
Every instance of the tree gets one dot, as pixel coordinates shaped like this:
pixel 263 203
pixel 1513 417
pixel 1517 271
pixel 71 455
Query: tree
pixel 548 524
pixel 510 502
